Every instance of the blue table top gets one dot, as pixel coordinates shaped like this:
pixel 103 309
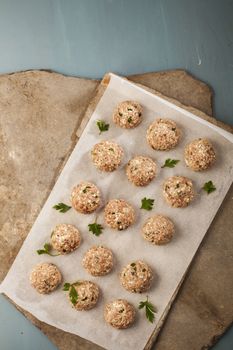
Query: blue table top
pixel 88 38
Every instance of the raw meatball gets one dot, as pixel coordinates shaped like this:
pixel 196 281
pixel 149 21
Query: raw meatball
pixel 85 197
pixel 45 278
pixel 107 155
pixel 178 191
pixel 88 295
pixel 199 154
pixel 119 313
pixel 98 261
pixel 65 238
pixel 136 277
pixel 118 214
pixel 158 229
pixel 163 134
pixel 128 114
pixel 141 170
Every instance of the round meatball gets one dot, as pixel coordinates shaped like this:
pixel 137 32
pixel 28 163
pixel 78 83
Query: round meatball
pixel 158 230
pixel 98 261
pixel 128 114
pixel 107 155
pixel 85 197
pixel 199 154
pixel 45 278
pixel 178 191
pixel 163 134
pixel 87 295
pixel 65 238
pixel 141 170
pixel 118 214
pixel 136 277
pixel 119 313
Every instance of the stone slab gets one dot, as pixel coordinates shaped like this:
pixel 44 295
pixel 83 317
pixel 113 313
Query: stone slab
pixel 40 114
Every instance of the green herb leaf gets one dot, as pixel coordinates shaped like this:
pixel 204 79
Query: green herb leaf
pixel 62 207
pixel 66 286
pixel 86 188
pixel 95 228
pixel 170 163
pixel 150 309
pixel 147 203
pixel 102 126
pixel 47 250
pixel 209 187
pixel 73 295
pixel 129 119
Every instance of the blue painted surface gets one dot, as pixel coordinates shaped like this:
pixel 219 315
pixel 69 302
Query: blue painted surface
pixel 89 37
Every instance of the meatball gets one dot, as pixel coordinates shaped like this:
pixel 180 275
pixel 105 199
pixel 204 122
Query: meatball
pixel 163 134
pixel 98 261
pixel 118 214
pixel 107 155
pixel 128 114
pixel 45 278
pixel 136 277
pixel 87 295
pixel 85 197
pixel 119 313
pixel 178 191
pixel 199 154
pixel 65 238
pixel 158 230
pixel 141 170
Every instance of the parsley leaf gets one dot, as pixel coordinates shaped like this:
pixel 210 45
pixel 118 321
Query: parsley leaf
pixel 95 228
pixel 209 187
pixel 73 294
pixel 147 203
pixel 47 250
pixel 170 163
pixel 62 207
pixel 102 126
pixel 150 309
pixel 66 286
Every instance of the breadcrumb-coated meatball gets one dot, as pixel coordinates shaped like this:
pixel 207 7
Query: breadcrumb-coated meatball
pixel 178 191
pixel 199 154
pixel 141 170
pixel 107 155
pixel 98 261
pixel 65 238
pixel 163 134
pixel 136 277
pixel 87 295
pixel 118 214
pixel 158 229
pixel 45 278
pixel 85 197
pixel 128 114
pixel 119 313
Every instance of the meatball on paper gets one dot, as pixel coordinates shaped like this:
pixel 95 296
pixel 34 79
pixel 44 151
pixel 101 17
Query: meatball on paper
pixel 168 262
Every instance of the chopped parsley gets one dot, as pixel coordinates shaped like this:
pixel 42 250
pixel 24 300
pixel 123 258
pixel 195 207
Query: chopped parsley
pixel 170 163
pixel 147 203
pixel 102 125
pixel 62 207
pixel 209 187
pixel 150 309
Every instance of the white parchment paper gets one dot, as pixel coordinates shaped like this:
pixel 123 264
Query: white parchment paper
pixel 169 262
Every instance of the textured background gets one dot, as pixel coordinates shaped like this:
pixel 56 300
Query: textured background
pixel 89 37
